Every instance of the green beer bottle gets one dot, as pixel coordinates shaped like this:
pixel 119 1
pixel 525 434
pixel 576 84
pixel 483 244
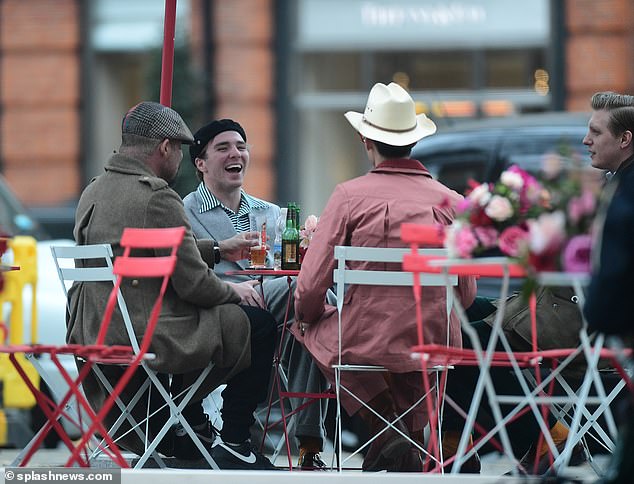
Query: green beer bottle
pixel 290 242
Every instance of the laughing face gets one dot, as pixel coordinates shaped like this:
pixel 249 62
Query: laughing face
pixel 224 162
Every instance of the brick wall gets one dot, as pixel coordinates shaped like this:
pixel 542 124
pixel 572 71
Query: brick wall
pixel 599 51
pixel 243 78
pixel 40 89
pixel 39 99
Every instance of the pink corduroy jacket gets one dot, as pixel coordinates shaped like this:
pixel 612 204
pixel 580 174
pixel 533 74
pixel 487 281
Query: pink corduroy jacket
pixel 379 322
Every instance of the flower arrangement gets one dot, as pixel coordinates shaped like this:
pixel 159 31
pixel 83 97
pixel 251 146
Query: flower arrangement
pixel 493 217
pixel 546 225
pixel 307 230
pixel 562 238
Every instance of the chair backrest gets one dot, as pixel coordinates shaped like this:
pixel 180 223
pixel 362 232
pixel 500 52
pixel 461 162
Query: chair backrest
pixel 78 263
pixel 343 275
pixel 127 266
pixel 423 235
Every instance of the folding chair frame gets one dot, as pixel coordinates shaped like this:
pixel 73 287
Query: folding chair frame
pixel 169 238
pixel 341 277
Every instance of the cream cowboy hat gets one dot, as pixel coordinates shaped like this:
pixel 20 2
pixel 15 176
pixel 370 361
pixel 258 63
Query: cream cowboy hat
pixel 390 117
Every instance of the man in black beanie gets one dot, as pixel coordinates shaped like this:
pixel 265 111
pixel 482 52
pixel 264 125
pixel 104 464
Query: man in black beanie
pixel 220 209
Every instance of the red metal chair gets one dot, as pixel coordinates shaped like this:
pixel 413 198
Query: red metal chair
pixel 127 266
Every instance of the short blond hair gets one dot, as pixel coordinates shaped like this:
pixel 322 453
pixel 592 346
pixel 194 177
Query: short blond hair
pixel 620 107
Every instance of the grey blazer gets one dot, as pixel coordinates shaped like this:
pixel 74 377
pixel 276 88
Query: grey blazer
pixel 215 224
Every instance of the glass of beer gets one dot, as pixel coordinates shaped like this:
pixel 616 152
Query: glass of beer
pixel 257 253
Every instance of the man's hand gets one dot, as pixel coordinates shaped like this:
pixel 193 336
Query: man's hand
pixel 237 247
pixel 248 292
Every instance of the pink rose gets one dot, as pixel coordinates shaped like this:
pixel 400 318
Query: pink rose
pixel 512 179
pixel 465 242
pixel 576 255
pixel 480 194
pixel 583 205
pixel 514 241
pixel 459 240
pixel 311 223
pixel 499 208
pixel 306 233
pixel 547 232
pixel 487 236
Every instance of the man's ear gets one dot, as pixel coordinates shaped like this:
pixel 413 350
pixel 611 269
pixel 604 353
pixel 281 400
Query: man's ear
pixel 164 146
pixel 626 139
pixel 200 163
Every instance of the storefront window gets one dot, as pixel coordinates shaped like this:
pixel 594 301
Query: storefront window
pixel 513 68
pixel 333 71
pixel 427 70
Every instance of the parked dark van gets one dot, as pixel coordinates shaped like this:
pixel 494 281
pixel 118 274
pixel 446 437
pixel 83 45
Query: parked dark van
pixel 482 149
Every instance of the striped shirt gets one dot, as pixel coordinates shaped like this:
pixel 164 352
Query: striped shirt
pixel 239 219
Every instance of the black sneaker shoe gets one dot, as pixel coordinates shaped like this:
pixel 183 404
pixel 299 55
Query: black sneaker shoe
pixel 242 456
pixel 184 446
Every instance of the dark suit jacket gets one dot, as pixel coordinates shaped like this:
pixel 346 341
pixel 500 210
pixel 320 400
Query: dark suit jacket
pixel 609 305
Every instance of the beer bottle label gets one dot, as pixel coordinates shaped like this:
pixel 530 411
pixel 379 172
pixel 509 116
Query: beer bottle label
pixel 289 252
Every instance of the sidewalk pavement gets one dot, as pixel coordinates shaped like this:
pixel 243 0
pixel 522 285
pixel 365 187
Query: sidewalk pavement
pixel 493 469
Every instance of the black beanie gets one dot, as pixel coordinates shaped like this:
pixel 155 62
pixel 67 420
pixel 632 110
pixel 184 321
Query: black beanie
pixel 208 132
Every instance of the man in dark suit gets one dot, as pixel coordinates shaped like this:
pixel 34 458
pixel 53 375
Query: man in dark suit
pixel 609 306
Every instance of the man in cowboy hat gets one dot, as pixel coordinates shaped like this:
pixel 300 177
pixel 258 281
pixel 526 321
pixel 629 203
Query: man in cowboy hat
pixel 368 211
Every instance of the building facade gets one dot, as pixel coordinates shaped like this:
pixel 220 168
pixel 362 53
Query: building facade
pixel 287 70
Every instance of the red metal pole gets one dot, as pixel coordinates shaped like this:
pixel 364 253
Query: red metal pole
pixel 167 65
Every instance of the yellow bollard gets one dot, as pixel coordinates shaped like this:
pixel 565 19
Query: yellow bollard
pixel 14 391
pixel 24 249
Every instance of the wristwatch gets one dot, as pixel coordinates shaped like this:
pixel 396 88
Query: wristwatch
pixel 216 252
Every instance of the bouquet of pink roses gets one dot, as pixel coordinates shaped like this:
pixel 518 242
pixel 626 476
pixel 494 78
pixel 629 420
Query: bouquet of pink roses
pixel 544 225
pixel 493 217
pixel 562 238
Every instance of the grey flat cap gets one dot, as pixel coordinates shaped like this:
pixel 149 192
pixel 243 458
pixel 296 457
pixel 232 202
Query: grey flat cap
pixel 153 120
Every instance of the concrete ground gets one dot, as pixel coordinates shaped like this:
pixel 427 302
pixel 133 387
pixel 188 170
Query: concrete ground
pixel 493 469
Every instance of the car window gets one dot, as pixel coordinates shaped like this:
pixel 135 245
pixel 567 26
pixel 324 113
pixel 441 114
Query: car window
pixel 14 219
pixel 456 171
pixel 455 161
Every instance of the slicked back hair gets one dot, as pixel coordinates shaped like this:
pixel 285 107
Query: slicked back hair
pixel 620 107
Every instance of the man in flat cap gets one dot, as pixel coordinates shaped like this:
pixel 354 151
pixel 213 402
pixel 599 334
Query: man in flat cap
pixel 201 321
pixel 219 209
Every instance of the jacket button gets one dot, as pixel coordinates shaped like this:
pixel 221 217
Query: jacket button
pixel 135 282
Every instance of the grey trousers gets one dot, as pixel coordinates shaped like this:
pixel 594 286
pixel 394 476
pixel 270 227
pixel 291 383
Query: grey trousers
pixel 302 373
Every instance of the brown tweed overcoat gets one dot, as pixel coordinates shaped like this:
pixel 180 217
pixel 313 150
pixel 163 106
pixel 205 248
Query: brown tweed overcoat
pixel 199 321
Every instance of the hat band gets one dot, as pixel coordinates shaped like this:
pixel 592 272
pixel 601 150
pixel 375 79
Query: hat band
pixel 365 120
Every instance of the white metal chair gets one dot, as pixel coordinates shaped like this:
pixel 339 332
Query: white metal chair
pixel 87 272
pixel 343 276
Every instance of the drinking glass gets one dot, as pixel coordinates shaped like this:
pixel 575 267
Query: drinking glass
pixel 257 253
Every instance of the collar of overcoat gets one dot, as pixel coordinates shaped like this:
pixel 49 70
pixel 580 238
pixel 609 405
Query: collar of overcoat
pixel 125 164
pixel 402 165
